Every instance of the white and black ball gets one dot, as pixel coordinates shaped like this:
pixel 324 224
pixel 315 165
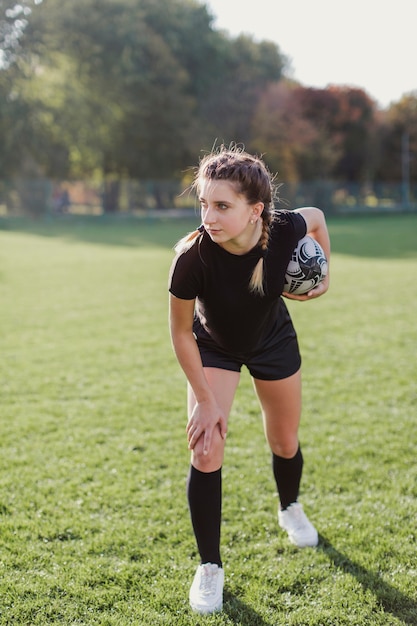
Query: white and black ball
pixel 307 268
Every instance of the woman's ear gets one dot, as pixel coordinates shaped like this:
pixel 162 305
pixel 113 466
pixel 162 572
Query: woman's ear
pixel 257 210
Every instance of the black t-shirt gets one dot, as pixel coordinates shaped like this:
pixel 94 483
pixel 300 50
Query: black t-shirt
pixel 235 318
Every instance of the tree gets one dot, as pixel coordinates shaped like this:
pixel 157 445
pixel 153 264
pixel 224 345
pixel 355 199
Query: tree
pixel 132 88
pixel 399 140
pixel 13 21
pixel 291 127
pixel 13 126
pixel 245 70
pixel 318 133
pixel 355 124
pixel 135 89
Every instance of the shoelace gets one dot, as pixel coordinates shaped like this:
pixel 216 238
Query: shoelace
pixel 208 580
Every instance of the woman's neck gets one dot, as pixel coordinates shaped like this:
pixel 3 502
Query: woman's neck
pixel 245 244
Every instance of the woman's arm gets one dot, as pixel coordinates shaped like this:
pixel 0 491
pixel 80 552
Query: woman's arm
pixel 316 228
pixel 206 414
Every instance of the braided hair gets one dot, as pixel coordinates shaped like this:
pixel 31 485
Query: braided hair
pixel 253 180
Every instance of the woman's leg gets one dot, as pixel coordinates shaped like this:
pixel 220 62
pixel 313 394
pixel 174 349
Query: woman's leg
pixel 223 384
pixel 281 408
pixel 204 485
pixel 204 490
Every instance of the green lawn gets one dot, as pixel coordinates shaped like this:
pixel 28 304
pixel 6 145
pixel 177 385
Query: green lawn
pixel 94 525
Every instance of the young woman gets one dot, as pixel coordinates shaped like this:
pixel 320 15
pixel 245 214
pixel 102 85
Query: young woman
pixel 226 311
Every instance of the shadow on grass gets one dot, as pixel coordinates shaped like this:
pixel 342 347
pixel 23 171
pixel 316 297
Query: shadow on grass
pixel 393 601
pixel 241 613
pixel 108 230
pixel 378 236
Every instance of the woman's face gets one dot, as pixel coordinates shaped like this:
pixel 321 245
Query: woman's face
pixel 227 215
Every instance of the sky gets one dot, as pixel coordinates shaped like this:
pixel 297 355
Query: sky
pixel 368 44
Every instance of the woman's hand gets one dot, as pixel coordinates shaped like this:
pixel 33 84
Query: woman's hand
pixel 310 295
pixel 205 417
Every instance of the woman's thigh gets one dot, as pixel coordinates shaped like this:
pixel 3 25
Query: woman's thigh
pixel 281 408
pixel 223 384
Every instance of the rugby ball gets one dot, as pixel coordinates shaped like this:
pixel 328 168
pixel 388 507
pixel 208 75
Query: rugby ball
pixel 307 268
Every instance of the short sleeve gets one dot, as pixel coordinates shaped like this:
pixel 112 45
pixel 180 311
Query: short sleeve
pixel 185 274
pixel 298 224
pixel 288 227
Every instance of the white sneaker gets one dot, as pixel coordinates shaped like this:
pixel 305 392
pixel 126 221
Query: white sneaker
pixel 206 593
pixel 301 531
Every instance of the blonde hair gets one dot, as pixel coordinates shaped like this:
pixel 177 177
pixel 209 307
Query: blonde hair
pixel 252 179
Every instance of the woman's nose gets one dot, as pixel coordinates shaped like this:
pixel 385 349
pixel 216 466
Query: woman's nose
pixel 209 216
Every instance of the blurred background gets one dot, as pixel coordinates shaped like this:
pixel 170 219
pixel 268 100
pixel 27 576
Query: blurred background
pixel 107 105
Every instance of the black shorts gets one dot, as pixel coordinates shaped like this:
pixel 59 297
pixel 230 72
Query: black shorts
pixel 278 357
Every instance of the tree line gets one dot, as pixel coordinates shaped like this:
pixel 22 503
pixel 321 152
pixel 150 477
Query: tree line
pixel 136 89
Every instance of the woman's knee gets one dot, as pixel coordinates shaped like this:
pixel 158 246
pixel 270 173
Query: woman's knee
pixel 285 448
pixel 210 462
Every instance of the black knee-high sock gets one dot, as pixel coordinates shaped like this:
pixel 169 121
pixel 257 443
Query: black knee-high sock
pixel 204 492
pixel 287 473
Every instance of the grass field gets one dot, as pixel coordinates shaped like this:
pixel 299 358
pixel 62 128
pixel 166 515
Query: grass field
pixel 94 526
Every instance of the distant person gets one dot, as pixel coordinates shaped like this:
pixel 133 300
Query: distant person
pixel 65 201
pixel 61 200
pixel 226 311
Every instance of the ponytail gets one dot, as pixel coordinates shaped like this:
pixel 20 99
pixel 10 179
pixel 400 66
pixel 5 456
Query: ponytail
pixel 256 283
pixel 189 240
